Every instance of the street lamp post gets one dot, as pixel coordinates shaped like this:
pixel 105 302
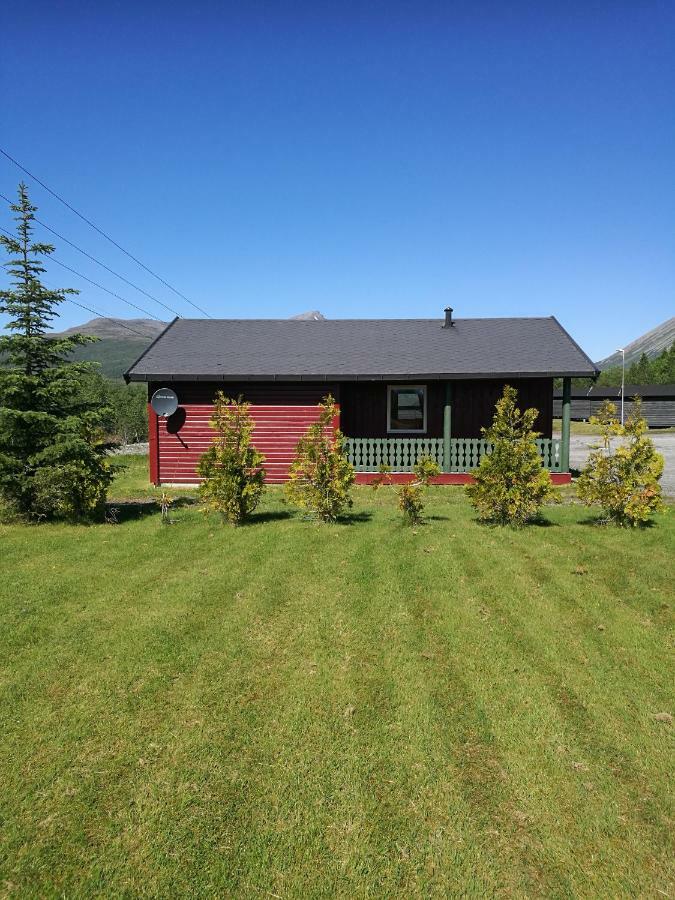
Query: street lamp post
pixel 623 376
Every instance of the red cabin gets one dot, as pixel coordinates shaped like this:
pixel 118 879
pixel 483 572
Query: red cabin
pixel 405 387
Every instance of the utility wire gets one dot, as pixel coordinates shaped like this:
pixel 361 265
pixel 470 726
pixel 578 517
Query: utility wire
pixel 98 262
pixel 95 283
pixel 102 233
pixel 91 309
pixel 101 288
pixel 103 316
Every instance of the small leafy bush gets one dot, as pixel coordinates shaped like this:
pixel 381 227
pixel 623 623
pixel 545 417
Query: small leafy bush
pixel 231 469
pixel 411 494
pixel 511 485
pixel 624 480
pixel 165 504
pixel 321 476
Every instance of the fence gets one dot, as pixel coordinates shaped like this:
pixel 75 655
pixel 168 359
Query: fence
pixel 401 454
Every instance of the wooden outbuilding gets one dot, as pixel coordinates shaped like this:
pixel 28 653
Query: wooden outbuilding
pixel 658 402
pixel 404 387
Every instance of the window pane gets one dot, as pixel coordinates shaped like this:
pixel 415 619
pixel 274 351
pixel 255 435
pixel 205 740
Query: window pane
pixel 407 409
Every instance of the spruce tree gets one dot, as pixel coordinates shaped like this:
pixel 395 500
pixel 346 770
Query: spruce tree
pixel 53 461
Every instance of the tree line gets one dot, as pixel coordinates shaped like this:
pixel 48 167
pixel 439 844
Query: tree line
pixel 646 370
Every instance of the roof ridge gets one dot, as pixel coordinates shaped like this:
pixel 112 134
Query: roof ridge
pixel 381 319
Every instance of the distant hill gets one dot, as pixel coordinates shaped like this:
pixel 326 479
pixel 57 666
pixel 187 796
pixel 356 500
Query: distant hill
pixel 312 314
pixel 123 340
pixel 651 343
pixel 120 329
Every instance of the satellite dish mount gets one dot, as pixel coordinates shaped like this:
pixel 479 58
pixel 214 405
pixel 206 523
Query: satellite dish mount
pixel 164 402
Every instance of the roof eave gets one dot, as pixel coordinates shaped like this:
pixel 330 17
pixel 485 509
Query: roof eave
pixel 327 376
pixel 128 374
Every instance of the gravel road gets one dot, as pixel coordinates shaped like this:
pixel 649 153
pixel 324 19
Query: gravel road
pixel 580 445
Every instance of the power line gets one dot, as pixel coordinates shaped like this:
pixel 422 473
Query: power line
pixel 102 233
pixel 96 284
pixel 101 288
pixel 98 262
pixel 91 309
pixel 102 316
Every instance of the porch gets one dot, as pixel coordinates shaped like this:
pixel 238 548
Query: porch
pixel 464 454
pixel 456 461
pixel 451 414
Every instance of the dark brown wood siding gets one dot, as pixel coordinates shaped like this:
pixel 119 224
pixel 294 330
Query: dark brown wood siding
pixel 363 409
pixel 659 412
pixel 473 403
pixel 364 406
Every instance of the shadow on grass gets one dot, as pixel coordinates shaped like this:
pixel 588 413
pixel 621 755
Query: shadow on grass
pixel 599 521
pixel 119 511
pixel 272 515
pixel 537 522
pixel 355 518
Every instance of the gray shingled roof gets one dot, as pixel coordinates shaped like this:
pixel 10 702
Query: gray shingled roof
pixel 368 349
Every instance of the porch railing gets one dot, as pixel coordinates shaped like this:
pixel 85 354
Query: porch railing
pixel 401 454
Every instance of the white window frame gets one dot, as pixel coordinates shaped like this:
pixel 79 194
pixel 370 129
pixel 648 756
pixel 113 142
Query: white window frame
pixel 403 387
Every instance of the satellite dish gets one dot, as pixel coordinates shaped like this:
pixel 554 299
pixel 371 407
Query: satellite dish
pixel 164 402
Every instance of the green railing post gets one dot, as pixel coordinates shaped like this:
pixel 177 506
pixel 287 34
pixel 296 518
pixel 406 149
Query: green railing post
pixel 565 436
pixel 447 426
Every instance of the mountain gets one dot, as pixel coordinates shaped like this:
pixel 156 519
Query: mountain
pixel 120 329
pixel 313 315
pixel 651 343
pixel 121 341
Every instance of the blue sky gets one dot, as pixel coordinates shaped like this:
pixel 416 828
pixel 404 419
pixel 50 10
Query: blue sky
pixel 375 159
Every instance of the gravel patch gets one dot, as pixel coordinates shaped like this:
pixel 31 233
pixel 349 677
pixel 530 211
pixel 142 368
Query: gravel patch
pixel 581 445
pixel 130 449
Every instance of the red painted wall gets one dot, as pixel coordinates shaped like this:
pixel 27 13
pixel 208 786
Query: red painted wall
pixel 281 413
pixel 153 444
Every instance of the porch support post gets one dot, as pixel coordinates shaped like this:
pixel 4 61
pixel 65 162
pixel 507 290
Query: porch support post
pixel 565 436
pixel 447 426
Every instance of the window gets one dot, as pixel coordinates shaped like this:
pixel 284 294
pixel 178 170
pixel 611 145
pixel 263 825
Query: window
pixel 406 407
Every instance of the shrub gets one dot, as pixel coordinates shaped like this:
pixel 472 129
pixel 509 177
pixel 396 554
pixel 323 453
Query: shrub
pixel 623 481
pixel 72 478
pixel 510 484
pixel 411 494
pixel 321 476
pixel 165 504
pixel 231 469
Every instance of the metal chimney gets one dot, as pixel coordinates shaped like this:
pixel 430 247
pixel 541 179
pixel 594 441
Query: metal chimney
pixel 448 317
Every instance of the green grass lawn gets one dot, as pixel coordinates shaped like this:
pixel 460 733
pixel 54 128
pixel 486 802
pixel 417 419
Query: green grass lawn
pixel 358 710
